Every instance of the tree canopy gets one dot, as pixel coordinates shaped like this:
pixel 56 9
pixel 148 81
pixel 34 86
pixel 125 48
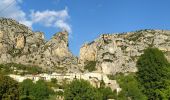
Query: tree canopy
pixel 34 91
pixel 81 90
pixel 153 74
pixel 8 88
pixel 130 87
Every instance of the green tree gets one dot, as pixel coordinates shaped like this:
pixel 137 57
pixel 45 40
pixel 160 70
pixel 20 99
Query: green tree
pixel 107 93
pixel 41 91
pixel 130 88
pixel 153 73
pixel 8 88
pixel 26 90
pixel 34 91
pixel 81 90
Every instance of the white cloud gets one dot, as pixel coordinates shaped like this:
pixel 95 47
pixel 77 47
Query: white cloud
pixel 11 9
pixel 63 25
pixel 52 18
pixel 47 18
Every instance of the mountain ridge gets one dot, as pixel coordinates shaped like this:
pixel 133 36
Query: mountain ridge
pixel 20 44
pixel 111 53
pixel 115 53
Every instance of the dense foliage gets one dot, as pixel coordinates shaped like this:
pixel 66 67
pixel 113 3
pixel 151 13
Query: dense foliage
pixel 83 90
pixel 15 68
pixel 8 88
pixel 34 91
pixel 106 93
pixel 154 75
pixel 130 87
pixel 151 82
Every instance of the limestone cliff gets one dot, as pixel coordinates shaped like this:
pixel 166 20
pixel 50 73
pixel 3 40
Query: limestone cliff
pixel 113 53
pixel 20 44
pixel 116 53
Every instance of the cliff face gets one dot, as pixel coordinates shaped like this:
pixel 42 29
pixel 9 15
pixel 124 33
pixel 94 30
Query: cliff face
pixel 116 53
pixel 113 53
pixel 20 44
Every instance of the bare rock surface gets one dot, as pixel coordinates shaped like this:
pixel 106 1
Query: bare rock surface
pixel 115 53
pixel 20 44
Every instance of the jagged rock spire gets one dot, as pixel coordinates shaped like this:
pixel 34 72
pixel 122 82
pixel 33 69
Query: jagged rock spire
pixel 20 44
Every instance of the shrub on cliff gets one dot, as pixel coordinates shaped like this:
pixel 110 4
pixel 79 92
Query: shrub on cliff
pixel 90 66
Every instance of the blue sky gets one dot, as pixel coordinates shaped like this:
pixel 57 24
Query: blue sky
pixel 87 19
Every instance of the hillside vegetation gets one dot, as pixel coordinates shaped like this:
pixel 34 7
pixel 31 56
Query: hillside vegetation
pixel 151 82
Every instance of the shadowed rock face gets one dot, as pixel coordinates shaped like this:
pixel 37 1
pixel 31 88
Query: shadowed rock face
pixel 20 44
pixel 116 53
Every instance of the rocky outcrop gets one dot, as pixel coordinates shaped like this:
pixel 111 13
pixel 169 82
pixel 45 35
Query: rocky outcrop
pixel 20 44
pixel 116 53
pixel 112 53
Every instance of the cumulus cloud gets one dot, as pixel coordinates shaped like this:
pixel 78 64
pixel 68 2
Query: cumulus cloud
pixel 63 25
pixel 52 18
pixel 11 9
pixel 47 18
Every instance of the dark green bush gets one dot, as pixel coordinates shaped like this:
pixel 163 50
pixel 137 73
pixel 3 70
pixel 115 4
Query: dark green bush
pixel 83 90
pixel 8 88
pixel 27 69
pixel 34 91
pixel 90 66
pixel 153 74
pixel 130 87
